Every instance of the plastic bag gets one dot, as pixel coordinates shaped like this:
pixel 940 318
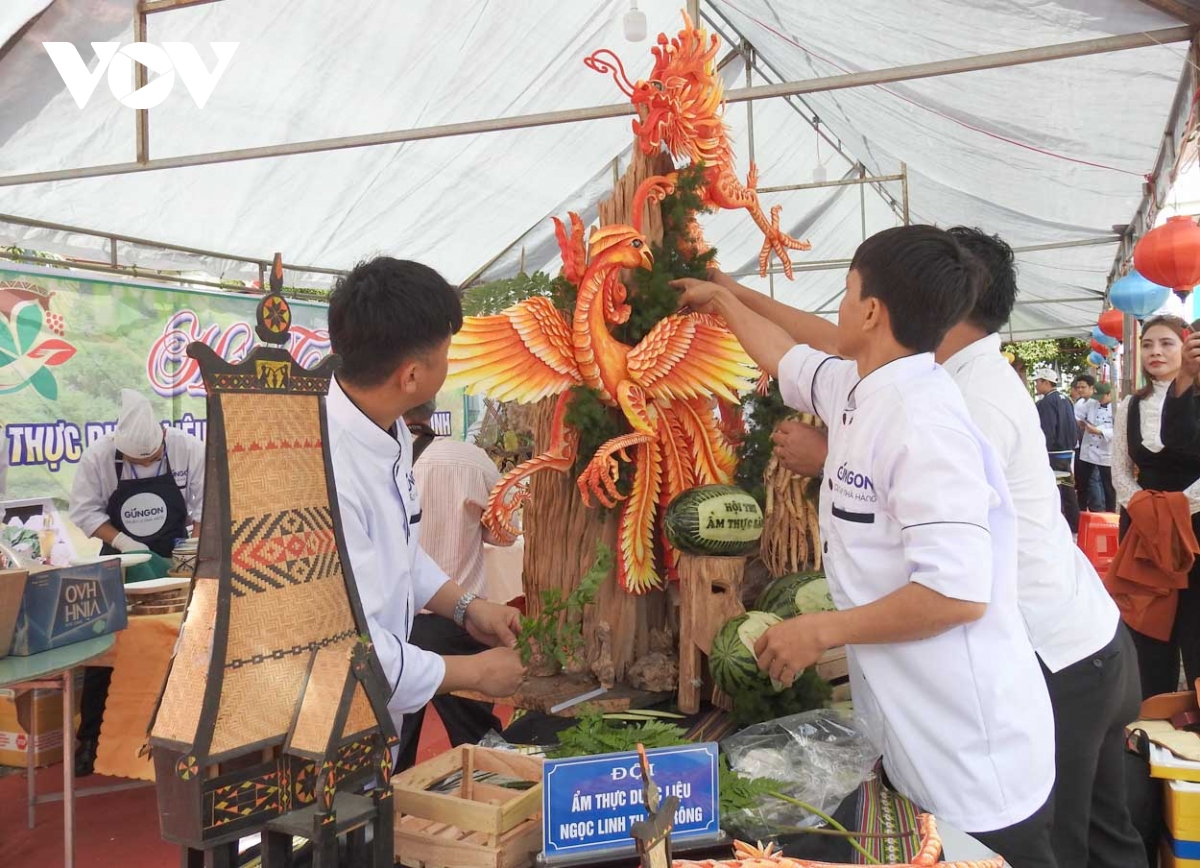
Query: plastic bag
pixel 820 756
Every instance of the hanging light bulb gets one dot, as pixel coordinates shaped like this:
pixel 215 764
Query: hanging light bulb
pixel 635 23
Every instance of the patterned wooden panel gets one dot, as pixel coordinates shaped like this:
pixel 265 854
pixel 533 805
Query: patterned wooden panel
pixel 322 697
pixel 361 716
pixel 179 711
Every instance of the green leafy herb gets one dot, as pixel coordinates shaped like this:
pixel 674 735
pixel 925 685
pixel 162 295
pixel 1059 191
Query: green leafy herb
pixel 557 630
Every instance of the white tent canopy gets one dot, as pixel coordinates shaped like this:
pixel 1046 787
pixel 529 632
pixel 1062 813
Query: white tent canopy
pixel 1044 154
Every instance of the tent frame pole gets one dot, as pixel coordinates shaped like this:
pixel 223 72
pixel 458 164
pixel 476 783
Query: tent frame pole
pixel 115 237
pixel 910 72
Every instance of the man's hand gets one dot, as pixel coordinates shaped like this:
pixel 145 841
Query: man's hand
pixel 801 448
pixel 787 649
pixel 699 295
pixel 720 278
pixel 498 671
pixel 493 624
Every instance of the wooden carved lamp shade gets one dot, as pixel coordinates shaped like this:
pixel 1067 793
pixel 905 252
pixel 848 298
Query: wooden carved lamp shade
pixel 273 717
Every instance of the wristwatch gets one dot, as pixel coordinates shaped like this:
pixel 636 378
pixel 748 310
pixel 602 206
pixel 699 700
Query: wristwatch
pixel 460 608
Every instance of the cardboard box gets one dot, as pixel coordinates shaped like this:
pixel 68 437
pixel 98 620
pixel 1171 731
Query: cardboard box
pixel 12 589
pixel 47 735
pixel 69 604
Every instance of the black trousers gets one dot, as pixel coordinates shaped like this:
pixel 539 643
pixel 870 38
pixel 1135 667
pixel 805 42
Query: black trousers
pixel 1094 698
pixel 1025 844
pixel 1070 506
pixel 92 700
pixel 466 720
pixel 1158 662
pixel 1084 475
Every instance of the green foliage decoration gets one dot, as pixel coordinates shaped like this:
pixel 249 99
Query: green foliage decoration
pixel 557 630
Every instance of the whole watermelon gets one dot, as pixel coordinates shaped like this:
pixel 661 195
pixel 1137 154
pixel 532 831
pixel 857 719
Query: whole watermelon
pixel 732 662
pixel 797 594
pixel 713 520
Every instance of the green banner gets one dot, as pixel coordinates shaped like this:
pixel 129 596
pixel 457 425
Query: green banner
pixel 69 344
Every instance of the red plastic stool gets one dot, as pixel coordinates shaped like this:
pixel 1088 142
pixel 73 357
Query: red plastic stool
pixel 1098 538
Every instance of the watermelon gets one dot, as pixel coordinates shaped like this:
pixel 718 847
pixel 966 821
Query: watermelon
pixel 713 520
pixel 731 660
pixel 797 594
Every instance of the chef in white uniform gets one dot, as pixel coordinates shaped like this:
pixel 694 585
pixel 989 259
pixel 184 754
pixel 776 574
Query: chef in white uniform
pixel 1088 658
pixel 141 486
pixel 390 322
pixel 136 489
pixel 920 538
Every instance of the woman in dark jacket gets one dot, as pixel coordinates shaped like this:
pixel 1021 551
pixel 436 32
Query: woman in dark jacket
pixel 1156 455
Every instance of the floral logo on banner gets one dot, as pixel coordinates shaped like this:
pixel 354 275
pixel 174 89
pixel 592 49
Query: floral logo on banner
pixel 173 373
pixel 31 340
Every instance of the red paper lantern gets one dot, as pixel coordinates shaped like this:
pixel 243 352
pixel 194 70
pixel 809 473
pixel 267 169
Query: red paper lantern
pixel 1170 255
pixel 1112 323
pixel 1098 347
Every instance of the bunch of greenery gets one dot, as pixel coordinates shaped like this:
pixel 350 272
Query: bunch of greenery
pixel 556 632
pixel 763 413
pixel 488 299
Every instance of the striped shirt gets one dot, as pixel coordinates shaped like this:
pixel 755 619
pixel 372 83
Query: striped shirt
pixel 455 479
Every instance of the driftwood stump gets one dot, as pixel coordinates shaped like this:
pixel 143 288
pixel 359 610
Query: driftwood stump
pixel 561 534
pixel 710 593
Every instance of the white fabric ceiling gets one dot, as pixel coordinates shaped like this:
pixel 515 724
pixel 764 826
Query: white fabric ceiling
pixel 1041 154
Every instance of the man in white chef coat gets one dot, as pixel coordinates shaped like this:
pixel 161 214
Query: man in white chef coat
pixel 919 535
pixel 390 322
pixel 1087 655
pixel 136 489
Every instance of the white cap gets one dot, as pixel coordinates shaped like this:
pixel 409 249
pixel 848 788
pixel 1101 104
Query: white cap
pixel 138 435
pixel 1048 374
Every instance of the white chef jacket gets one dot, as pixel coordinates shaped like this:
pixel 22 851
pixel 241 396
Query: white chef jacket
pixel 1097 448
pixel 1067 612
pixel 96 477
pixel 914 493
pixel 381 520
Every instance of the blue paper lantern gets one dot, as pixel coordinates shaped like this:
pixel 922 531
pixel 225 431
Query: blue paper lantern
pixel 1101 338
pixel 1095 359
pixel 1137 296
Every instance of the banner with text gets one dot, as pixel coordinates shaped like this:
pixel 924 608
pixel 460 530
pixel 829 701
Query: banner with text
pixel 69 343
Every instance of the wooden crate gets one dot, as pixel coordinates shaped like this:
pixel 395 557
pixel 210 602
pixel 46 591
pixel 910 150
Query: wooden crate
pixel 482 826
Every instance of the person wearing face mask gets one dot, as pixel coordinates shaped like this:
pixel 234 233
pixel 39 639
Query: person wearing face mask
pixel 137 489
pixel 1144 469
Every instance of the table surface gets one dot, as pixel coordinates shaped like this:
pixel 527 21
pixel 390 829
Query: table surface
pixel 15 670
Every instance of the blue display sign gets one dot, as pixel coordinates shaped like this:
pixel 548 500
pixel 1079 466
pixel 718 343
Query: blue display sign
pixel 590 803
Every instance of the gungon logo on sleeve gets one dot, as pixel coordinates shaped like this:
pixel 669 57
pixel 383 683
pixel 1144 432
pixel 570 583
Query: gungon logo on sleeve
pixel 163 61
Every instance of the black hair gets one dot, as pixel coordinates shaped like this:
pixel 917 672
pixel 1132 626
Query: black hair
pixel 1084 378
pixel 998 293
pixel 422 412
pixel 924 278
pixel 386 312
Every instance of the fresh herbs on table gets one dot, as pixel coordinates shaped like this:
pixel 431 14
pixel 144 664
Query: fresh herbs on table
pixel 556 632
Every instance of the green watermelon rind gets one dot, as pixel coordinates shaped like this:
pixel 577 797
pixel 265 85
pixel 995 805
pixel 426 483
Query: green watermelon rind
pixel 731 658
pixel 681 521
pixel 796 594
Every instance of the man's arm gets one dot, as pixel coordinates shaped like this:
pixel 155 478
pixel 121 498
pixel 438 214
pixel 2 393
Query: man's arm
pixel 766 342
pixel 801 326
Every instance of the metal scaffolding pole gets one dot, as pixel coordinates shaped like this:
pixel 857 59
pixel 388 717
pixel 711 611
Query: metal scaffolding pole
pixel 832 264
pixel 842 182
pixel 114 237
pixel 765 91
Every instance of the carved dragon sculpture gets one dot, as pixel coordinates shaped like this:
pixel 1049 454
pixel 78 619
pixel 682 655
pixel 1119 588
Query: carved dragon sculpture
pixel 681 107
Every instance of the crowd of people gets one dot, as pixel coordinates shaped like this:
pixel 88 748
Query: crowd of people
pixel 996 666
